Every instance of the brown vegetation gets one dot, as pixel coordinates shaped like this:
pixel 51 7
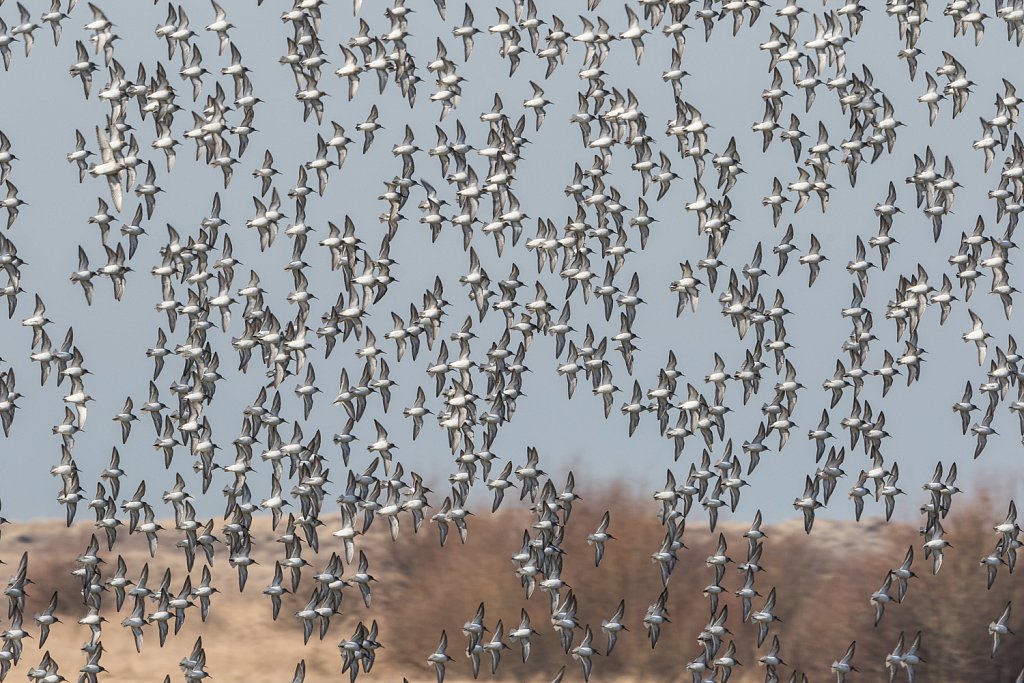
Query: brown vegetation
pixel 823 583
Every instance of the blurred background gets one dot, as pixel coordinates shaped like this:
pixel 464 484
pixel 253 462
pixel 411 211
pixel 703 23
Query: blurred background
pixel 823 584
pixel 824 581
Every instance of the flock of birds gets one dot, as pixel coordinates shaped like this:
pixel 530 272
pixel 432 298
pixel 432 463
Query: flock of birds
pixel 476 195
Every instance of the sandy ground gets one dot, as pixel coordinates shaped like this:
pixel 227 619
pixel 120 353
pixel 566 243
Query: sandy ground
pixel 823 583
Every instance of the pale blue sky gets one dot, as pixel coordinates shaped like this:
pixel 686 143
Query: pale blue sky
pixel 42 107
